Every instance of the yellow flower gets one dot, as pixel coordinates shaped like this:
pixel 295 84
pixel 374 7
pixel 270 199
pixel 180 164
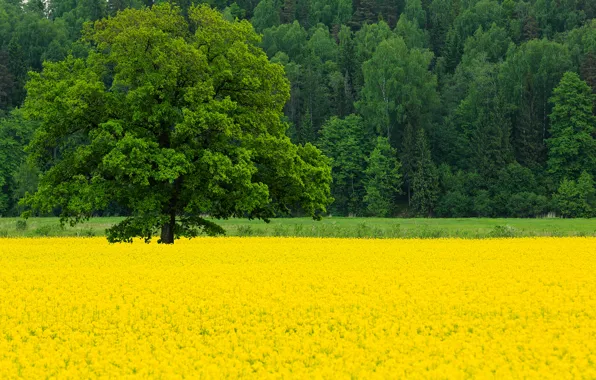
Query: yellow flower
pixel 294 308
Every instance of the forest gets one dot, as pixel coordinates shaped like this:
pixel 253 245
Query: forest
pixel 429 108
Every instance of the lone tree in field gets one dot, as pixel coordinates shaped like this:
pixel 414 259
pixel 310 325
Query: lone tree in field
pixel 171 119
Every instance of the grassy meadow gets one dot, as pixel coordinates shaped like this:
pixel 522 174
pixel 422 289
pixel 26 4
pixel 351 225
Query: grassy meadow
pixel 469 228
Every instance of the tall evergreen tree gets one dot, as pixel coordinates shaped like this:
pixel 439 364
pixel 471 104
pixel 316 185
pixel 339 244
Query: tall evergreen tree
pixel 390 10
pixel 479 130
pixel 365 12
pixel 528 76
pixel 425 181
pixel 114 6
pixel 588 71
pixel 572 147
pixel 18 69
pixel 348 67
pixel 7 82
pixel 408 158
pixel 440 18
pixel 288 11
pixel 303 13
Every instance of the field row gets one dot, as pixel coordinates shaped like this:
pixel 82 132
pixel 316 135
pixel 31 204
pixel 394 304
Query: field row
pixel 268 307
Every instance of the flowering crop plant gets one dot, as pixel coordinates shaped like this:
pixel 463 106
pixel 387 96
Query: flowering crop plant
pixel 297 307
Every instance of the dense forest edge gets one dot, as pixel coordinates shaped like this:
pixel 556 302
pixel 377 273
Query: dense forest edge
pixel 442 108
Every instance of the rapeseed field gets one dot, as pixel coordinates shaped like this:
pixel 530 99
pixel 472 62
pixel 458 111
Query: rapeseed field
pixel 298 308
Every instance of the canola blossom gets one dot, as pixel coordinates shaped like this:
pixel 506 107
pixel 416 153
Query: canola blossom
pixel 298 308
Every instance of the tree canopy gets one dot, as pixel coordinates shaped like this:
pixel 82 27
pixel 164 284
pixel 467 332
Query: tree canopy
pixel 488 82
pixel 172 119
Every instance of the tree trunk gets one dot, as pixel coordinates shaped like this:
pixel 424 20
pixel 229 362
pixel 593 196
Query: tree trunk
pixel 167 231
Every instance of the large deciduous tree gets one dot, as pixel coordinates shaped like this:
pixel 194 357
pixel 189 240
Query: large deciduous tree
pixel 266 15
pixel 398 90
pixel 172 120
pixel 383 179
pixel 575 199
pixel 345 142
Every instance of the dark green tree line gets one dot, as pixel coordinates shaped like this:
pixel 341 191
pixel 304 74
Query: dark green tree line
pixel 490 90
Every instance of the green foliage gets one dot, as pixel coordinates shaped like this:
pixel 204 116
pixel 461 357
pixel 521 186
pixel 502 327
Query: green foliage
pixel 398 88
pixel 345 142
pixel 365 12
pixel 476 135
pixel 516 191
pixel 482 204
pixel 383 179
pixel 441 15
pixel 503 232
pixel 571 147
pixel 318 87
pixel 464 194
pixel 454 204
pixel 576 199
pixel 413 11
pixel 330 12
pixel 425 180
pixel 15 133
pixel 527 205
pixel 21 225
pixel 266 15
pixel 484 93
pixel 528 76
pixel 170 124
pixel 339 227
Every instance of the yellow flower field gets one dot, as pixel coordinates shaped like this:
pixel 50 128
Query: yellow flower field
pixel 294 308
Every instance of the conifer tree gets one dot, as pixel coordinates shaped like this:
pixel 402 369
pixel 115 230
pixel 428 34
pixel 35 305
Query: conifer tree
pixel 365 12
pixel 288 11
pixel 425 183
pixel 571 147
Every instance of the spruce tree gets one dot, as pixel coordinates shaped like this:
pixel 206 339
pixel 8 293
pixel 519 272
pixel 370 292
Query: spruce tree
pixel 365 12
pixel 7 83
pixel 18 68
pixel 571 147
pixel 425 183
pixel 287 13
pixel 588 72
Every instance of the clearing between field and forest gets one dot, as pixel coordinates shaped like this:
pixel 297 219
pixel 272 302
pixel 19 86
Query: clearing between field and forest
pixel 335 227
